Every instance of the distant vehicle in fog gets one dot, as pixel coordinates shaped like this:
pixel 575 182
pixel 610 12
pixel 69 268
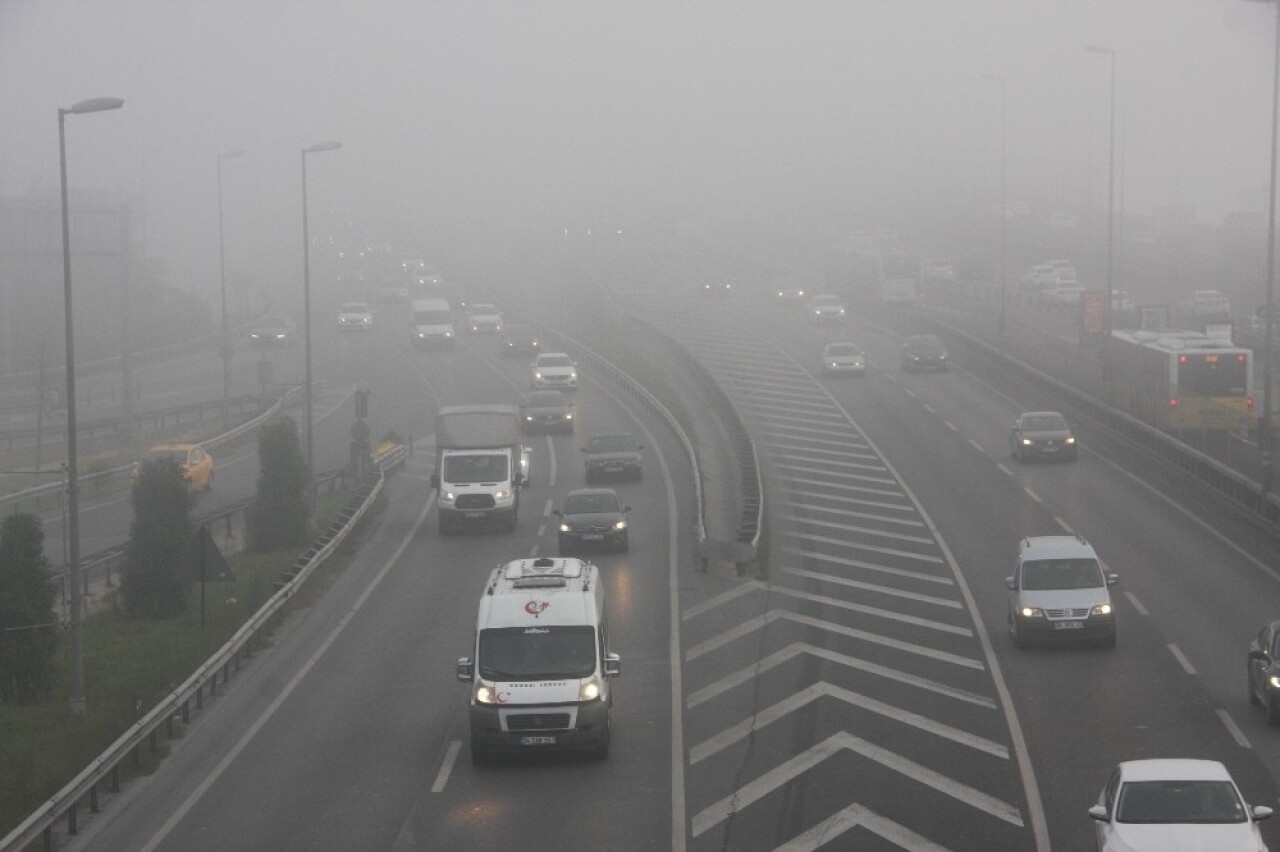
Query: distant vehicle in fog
pixel 843 359
pixel 273 330
pixel 1182 380
pixel 355 316
pixel 520 339
pixel 1042 434
pixel 924 352
pixel 826 308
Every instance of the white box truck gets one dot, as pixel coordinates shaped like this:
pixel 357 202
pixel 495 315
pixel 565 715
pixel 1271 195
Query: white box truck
pixel 480 466
pixel 541 669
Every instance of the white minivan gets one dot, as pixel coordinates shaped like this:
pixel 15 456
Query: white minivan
pixel 431 323
pixel 540 671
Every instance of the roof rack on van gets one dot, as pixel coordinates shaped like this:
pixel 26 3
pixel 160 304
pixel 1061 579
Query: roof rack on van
pixel 541 572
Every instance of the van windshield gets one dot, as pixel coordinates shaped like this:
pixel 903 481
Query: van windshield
pixel 465 470
pixel 432 318
pixel 1045 574
pixel 537 653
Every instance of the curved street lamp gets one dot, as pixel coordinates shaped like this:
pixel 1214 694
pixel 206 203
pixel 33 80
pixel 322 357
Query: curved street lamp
pixel 73 473
pixel 306 322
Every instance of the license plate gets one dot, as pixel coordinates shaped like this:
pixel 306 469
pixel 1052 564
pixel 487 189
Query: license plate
pixel 473 514
pixel 1069 625
pixel 593 537
pixel 613 469
pixel 537 741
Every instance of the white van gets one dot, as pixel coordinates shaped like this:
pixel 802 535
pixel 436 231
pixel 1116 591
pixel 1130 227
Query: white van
pixel 431 323
pixel 541 666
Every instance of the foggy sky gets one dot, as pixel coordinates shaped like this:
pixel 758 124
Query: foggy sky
pixel 463 122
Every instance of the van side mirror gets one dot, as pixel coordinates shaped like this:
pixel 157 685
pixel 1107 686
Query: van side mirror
pixel 465 669
pixel 613 667
pixel 625 509
pixel 1112 579
pixel 1099 812
pixel 1009 584
pixel 1259 654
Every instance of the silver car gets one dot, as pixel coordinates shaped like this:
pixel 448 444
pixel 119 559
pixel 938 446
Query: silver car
pixel 843 359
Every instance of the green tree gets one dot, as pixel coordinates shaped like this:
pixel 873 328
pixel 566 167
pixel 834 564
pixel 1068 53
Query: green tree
pixel 28 624
pixel 279 513
pixel 156 573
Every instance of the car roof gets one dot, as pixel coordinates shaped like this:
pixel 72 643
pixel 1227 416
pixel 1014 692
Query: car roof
pixel 174 445
pixel 591 491
pixel 1055 547
pixel 924 338
pixel 1173 769
pixel 1041 414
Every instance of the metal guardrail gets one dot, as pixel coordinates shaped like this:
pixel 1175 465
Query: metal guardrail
pixel 39 825
pixel 37 491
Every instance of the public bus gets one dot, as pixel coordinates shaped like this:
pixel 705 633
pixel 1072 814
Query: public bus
pixel 1182 380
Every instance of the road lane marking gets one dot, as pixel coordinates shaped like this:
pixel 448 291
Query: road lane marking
pixel 1233 729
pixel 812 693
pixel 874 587
pixel 929 408
pixel 1032 494
pixel 977 446
pixel 442 777
pixel 1182 659
pixel 867 531
pixel 855 545
pixel 1065 526
pixel 748 673
pixel 869 566
pixel 546 510
pixel 1133 599
pixel 857 816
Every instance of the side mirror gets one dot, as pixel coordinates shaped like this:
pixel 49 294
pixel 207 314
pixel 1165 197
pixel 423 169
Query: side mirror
pixel 435 480
pixel 1261 812
pixel 613 668
pixel 625 509
pixel 1112 579
pixel 465 669
pixel 1099 813
pixel 1009 584
pixel 1259 654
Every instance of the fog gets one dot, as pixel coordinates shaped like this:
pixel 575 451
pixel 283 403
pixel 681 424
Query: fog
pixel 473 124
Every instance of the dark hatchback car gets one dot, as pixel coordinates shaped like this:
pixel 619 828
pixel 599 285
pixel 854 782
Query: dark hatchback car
pixel 547 411
pixel 1042 435
pixel 273 330
pixel 1264 671
pixel 613 455
pixel 592 517
pixel 520 340
pixel 924 352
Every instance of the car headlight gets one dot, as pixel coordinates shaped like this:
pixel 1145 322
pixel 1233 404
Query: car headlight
pixel 1101 609
pixel 1026 442
pixel 528 417
pixel 1070 440
pixel 504 494
pixel 566 527
pixel 590 690
pixel 620 525
pixel 834 364
pixel 1274 681
pixel 573 374
pixel 568 416
pixel 841 312
pixel 422 335
pixel 448 497
pixel 537 374
pixel 1030 612
pixel 486 694
pixel 449 333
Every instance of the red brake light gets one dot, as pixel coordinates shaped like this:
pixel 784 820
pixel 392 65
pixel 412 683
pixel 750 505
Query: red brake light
pixel 1173 400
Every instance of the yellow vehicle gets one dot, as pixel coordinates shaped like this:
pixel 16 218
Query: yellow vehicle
pixel 196 464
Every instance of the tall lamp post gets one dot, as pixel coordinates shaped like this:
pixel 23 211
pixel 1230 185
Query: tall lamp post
pixel 222 277
pixel 1111 214
pixel 306 322
pixel 1265 436
pixel 1000 323
pixel 73 473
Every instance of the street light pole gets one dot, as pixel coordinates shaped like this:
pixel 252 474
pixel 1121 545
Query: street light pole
pixel 222 277
pixel 1265 432
pixel 1000 323
pixel 1111 214
pixel 73 484
pixel 308 425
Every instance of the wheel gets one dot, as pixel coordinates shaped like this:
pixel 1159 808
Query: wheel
pixel 1253 696
pixel 1019 641
pixel 601 751
pixel 626 545
pixel 480 756
pixel 1273 711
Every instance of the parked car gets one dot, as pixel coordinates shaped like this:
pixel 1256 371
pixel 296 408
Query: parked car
pixel 196 464
pixel 592 517
pixel 843 359
pixel 1042 434
pixel 924 352
pixel 546 410
pixel 355 316
pixel 1163 804
pixel 613 455
pixel 273 330
pixel 1060 591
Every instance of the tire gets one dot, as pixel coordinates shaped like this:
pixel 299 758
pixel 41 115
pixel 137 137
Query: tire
pixel 626 545
pixel 1019 641
pixel 480 756
pixel 1253 696
pixel 601 751
pixel 1273 711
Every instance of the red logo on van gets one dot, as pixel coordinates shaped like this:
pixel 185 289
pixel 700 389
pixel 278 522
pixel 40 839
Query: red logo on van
pixel 536 608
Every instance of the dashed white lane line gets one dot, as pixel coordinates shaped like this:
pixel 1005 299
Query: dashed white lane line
pixel 929 408
pixel 546 510
pixel 1133 599
pixel 446 768
pixel 1066 527
pixel 1233 729
pixel 1004 468
pixel 1033 495
pixel 1182 659
pixel 976 445
pixel 951 426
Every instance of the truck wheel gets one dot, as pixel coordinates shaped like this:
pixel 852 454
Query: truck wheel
pixel 601 751
pixel 479 755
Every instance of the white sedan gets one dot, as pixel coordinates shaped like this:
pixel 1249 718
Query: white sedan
pixel 355 316
pixel 1172 805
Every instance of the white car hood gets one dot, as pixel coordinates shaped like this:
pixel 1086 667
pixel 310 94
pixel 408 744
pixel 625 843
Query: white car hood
pixel 1064 598
pixel 1183 837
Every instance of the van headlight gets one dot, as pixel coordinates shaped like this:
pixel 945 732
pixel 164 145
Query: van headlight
pixel 486 694
pixel 590 690
pixel 448 497
pixel 537 374
pixel 504 494
pixel 1070 440
pixel 620 524
pixel 1101 609
pixel 1030 612
pixel 565 527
